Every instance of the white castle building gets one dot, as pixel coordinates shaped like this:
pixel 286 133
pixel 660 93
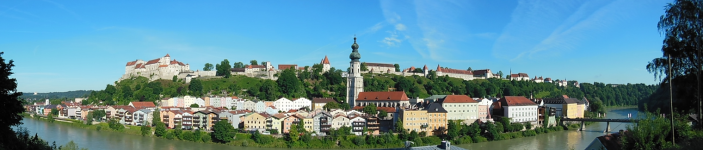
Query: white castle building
pixel 161 68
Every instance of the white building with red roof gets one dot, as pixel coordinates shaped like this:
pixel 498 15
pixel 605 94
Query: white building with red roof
pixel 161 68
pixel 460 107
pixel 455 73
pixel 325 64
pixel 519 109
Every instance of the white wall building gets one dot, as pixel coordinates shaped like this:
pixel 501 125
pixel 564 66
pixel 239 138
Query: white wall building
pixel 519 109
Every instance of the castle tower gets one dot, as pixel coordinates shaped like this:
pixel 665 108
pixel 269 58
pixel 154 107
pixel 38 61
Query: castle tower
pixel 325 64
pixel 355 82
pixel 425 70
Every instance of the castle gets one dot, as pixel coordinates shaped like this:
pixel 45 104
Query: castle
pixel 161 68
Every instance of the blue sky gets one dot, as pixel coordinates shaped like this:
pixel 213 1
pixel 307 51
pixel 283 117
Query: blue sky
pixel 84 45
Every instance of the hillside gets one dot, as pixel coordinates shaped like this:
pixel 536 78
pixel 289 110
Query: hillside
pixel 55 95
pixel 295 84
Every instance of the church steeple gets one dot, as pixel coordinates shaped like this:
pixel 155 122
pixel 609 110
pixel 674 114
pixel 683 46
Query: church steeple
pixel 355 56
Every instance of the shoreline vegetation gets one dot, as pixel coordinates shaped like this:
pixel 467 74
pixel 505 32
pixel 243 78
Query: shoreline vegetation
pixel 463 134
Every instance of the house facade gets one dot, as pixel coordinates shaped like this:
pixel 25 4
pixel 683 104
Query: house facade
pixel 460 107
pixel 519 109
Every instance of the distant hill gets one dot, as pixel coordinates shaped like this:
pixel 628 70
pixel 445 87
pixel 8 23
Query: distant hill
pixel 56 95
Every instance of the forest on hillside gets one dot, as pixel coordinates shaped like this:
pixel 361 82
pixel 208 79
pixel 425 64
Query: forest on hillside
pixel 312 82
pixel 55 95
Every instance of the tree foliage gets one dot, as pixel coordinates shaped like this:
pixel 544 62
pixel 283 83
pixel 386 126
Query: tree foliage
pixel 208 67
pixel 223 132
pixel 223 69
pixel 160 129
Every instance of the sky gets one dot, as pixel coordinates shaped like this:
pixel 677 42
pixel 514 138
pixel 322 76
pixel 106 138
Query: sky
pixel 84 45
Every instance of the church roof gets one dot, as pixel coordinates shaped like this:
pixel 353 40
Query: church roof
pixel 383 96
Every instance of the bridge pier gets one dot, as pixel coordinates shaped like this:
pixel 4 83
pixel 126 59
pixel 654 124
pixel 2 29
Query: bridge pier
pixel 583 126
pixel 607 128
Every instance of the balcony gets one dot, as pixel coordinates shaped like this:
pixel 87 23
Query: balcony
pixel 326 125
pixel 325 130
pixel 424 126
pixel 373 128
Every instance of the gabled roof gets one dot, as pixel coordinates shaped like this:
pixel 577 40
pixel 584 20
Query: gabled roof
pixel 482 72
pixel 516 101
pixel 131 63
pixel 323 100
pixel 287 66
pixel 141 105
pixel 279 116
pixel 167 55
pixel 325 61
pixel 457 71
pixel 436 108
pixel 383 96
pixel 458 99
pixel 153 61
pixel 254 66
pixel 50 107
pixel 368 64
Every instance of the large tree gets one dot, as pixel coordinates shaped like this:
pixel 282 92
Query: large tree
pixel 288 84
pixel 223 131
pixel 223 68
pixel 196 87
pixel 10 102
pixel 253 62
pixel 208 67
pixel 682 28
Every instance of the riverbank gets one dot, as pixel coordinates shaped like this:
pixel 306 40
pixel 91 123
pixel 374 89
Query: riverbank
pixel 335 141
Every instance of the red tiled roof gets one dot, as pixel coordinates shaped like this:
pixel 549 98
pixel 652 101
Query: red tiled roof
pixel 385 96
pixel 143 104
pixel 131 63
pixel 565 96
pixel 519 75
pixel 292 111
pixel 286 66
pixel 482 72
pixel 378 65
pixel 458 99
pixel 139 66
pixel 424 68
pixel 265 115
pixel 161 66
pixel 516 101
pixel 255 66
pixel 325 61
pixel 153 61
pixel 167 55
pixel 279 115
pixel 457 71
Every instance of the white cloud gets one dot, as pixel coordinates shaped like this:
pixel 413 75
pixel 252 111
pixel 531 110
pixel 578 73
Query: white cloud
pixel 392 40
pixel 400 27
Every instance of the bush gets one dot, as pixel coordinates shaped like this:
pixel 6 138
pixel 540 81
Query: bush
pixel 145 130
pixel 169 135
pixel 206 137
pixel 160 129
pixel 529 133
pixel 464 140
pixel 186 135
pixel 478 139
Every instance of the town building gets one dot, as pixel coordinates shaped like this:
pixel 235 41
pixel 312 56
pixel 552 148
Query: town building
pixel 414 120
pixel 460 107
pixel 383 99
pixel 519 109
pixel 437 119
pixel 319 103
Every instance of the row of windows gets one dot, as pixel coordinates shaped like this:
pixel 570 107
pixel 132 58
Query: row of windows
pixel 470 105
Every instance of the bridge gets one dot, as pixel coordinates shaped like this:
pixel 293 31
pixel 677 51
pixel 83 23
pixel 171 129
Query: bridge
pixel 607 129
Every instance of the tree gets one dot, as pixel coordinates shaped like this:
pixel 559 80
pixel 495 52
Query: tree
pixel 160 129
pixel 99 114
pixel 469 69
pixel 71 146
pixel 397 67
pixel 175 78
pixel 382 114
pixel 197 135
pixel 238 65
pixel 50 117
pixel 370 109
pixel 89 119
pixel 156 118
pixel 223 69
pixel 683 42
pixel 223 131
pixel 289 83
pixel 399 126
pixel 196 87
pixel 413 135
pixel 363 67
pixel 331 105
pixel 54 111
pixel 146 130
pixel 293 133
pixel 208 67
pixel 194 106
pixel 253 62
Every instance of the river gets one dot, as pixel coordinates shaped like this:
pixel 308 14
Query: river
pixel 96 140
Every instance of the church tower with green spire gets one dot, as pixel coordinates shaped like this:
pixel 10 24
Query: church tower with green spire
pixel 355 82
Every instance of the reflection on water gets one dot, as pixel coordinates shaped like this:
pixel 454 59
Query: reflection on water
pixel 562 139
pixel 96 140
